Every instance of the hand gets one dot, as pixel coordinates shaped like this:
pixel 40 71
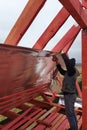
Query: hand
pixel 55 59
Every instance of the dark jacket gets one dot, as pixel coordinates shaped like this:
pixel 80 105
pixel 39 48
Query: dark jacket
pixel 70 75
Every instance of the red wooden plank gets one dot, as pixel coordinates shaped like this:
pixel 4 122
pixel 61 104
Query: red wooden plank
pixel 84 78
pixel 11 114
pixel 63 125
pixel 72 33
pixel 32 120
pixel 9 125
pixel 67 47
pixel 52 29
pixel 59 122
pixel 34 124
pixel 13 104
pixel 80 123
pixel 24 21
pixel 76 10
pixel 1 126
pixel 27 91
pixel 19 98
pixel 44 104
pixel 24 106
pixel 84 3
pixel 46 122
pixel 28 117
pixel 55 121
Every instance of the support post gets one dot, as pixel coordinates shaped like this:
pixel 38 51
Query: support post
pixel 84 77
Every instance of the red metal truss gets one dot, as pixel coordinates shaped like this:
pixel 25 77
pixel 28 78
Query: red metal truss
pixel 24 21
pixel 53 27
pixel 76 10
pixel 84 3
pixel 69 36
pixel 84 77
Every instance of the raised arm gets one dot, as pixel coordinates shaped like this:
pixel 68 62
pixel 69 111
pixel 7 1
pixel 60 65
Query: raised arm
pixel 70 65
pixel 61 70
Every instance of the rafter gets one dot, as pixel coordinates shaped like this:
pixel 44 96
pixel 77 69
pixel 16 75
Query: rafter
pixel 24 21
pixel 51 30
pixel 84 3
pixel 84 77
pixel 69 36
pixel 75 8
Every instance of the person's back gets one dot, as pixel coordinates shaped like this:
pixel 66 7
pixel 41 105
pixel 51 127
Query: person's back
pixel 69 83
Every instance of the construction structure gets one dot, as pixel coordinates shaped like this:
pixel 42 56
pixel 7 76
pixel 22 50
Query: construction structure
pixel 17 92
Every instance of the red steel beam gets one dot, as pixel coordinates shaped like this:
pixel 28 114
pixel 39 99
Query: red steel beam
pixel 53 27
pixel 84 78
pixel 75 8
pixel 24 21
pixel 9 125
pixel 72 33
pixel 67 47
pixel 84 3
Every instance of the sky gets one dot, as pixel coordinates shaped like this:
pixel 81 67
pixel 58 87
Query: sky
pixel 10 11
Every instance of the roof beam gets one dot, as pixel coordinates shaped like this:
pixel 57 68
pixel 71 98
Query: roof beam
pixel 51 30
pixel 84 3
pixel 24 21
pixel 67 47
pixel 69 36
pixel 84 78
pixel 77 11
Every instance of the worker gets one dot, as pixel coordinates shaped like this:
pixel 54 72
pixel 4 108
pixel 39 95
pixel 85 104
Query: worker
pixel 69 88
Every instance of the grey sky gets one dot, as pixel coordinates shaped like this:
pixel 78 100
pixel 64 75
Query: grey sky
pixel 10 11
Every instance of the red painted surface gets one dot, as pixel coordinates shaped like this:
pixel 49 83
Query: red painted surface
pixel 20 95
pixel 47 122
pixel 84 3
pixel 32 120
pixel 21 85
pixel 84 78
pixel 24 120
pixel 76 10
pixel 24 21
pixel 19 98
pixel 51 30
pixel 16 120
pixel 69 36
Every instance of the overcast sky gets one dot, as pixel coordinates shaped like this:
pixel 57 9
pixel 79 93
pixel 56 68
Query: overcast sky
pixel 10 11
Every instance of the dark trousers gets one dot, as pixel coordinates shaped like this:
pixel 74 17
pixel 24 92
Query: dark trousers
pixel 69 104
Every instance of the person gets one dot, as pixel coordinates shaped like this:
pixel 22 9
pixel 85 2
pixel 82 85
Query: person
pixel 69 88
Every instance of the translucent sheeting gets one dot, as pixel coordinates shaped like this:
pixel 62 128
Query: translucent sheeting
pixel 21 68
